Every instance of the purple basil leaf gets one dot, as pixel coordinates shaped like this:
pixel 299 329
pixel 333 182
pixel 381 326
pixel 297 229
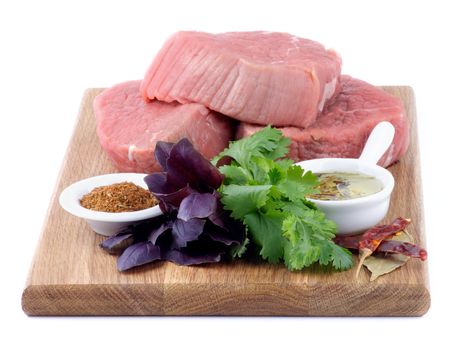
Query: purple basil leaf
pixel 197 205
pixel 186 165
pixel 157 183
pixel 200 251
pixel 155 234
pixel 220 216
pixel 227 236
pixel 142 229
pixel 165 208
pixel 182 258
pixel 171 201
pixel 113 243
pixel 137 232
pixel 186 231
pixel 138 254
pixel 162 152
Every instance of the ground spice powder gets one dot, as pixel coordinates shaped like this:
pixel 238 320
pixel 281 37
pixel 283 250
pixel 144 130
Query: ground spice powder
pixel 118 198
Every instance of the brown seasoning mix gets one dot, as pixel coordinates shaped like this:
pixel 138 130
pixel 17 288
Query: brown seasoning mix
pixel 118 198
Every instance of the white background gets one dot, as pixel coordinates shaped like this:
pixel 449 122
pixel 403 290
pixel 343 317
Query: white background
pixel 50 52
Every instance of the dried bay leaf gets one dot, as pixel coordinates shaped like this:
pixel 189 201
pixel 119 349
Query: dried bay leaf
pixel 381 265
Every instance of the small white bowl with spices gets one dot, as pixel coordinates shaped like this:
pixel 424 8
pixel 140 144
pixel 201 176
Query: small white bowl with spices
pixel 356 212
pixel 115 198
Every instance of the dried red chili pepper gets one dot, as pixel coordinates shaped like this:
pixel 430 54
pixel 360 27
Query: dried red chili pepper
pixel 372 238
pixel 387 246
pixel 349 242
pixel 404 248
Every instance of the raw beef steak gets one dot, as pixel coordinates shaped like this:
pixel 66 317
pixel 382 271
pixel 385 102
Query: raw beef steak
pixel 128 127
pixel 256 77
pixel 343 127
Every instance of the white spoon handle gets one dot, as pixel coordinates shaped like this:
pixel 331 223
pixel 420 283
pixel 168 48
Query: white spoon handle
pixel 378 142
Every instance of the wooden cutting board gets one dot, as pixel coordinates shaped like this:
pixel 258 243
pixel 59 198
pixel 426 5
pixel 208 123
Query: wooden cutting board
pixel 71 275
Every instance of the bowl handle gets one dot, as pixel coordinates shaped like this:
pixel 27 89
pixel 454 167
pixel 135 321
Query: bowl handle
pixel 379 141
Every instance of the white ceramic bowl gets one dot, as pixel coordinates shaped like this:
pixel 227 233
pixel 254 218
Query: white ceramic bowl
pixel 104 223
pixel 359 214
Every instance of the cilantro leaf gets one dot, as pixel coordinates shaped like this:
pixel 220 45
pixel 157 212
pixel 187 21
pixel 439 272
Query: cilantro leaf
pixel 259 168
pixel 282 147
pixel 265 229
pixel 267 143
pixel 238 250
pixel 243 199
pixel 297 184
pixel 341 257
pixel 235 174
pixel 306 247
pixel 275 175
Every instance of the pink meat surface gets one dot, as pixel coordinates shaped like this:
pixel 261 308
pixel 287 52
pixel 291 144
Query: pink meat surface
pixel 128 127
pixel 255 77
pixel 343 127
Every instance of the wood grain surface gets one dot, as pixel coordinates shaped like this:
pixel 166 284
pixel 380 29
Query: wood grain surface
pixel 71 275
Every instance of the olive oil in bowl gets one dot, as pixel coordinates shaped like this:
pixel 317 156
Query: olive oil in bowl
pixel 343 186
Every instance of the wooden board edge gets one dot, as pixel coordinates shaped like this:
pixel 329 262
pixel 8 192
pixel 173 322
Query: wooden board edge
pixel 411 109
pixel 422 226
pixel 93 300
pixel 221 300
